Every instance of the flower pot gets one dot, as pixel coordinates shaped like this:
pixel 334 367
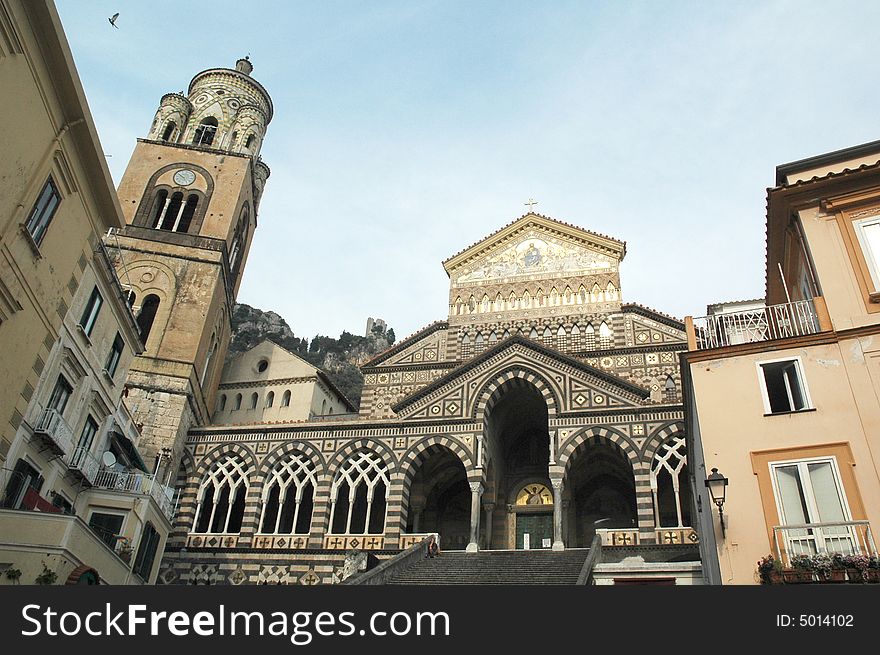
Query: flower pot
pixel 797 576
pixel 854 576
pixel 835 575
pixel 872 576
pixel 775 577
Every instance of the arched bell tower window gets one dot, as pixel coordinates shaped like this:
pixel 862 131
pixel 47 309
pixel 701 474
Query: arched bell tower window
pixel 239 238
pixel 147 315
pixel 205 132
pixel 169 131
pixel 249 144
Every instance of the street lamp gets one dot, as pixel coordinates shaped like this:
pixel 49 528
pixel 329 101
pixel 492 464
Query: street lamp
pixel 717 485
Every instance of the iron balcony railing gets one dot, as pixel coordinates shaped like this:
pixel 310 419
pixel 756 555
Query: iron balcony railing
pixel 833 538
pixel 83 462
pixel 54 428
pixel 141 483
pixel 792 319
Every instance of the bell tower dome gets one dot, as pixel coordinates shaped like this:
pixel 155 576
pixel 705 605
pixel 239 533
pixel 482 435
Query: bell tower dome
pixel 190 195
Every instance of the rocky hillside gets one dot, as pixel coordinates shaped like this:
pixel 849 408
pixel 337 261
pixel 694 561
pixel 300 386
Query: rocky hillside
pixel 339 358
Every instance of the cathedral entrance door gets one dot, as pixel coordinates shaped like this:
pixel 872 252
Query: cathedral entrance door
pixel 534 531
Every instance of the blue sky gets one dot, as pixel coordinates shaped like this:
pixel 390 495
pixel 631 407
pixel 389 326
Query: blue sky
pixel 405 131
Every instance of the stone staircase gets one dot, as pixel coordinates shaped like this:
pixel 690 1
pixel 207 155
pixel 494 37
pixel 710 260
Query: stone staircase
pixel 495 567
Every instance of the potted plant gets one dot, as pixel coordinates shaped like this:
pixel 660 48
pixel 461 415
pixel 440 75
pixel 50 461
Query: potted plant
pixel 770 570
pixel 829 568
pixel 13 574
pixel 802 571
pixel 48 576
pixel 855 566
pixel 872 572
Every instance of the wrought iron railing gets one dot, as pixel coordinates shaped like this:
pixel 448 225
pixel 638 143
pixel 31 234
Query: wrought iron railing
pixel 53 426
pixel 142 483
pixel 83 462
pixel 765 324
pixel 839 537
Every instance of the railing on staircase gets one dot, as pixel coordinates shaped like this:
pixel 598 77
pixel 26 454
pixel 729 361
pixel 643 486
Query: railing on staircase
pixel 595 556
pixel 385 570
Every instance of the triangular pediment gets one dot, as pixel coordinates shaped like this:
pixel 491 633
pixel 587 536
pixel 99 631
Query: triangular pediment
pixel 569 384
pixel 426 346
pixel 535 246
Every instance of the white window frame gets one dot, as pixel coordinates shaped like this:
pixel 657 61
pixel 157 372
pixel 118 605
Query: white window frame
pixel 838 481
pixel 872 259
pixel 802 378
pixel 110 511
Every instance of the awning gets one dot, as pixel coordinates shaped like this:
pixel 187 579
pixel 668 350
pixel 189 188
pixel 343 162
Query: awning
pixel 129 449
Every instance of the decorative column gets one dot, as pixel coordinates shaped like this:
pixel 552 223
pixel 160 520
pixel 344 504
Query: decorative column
pixel 476 493
pixel 489 508
pixel 558 544
pixel 417 519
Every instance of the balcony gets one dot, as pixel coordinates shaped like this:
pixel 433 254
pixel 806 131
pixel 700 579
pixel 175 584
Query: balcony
pixel 793 319
pixel 55 432
pixel 83 463
pixel 138 483
pixel 834 538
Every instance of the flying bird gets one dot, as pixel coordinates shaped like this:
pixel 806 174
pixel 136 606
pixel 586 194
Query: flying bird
pixel 113 20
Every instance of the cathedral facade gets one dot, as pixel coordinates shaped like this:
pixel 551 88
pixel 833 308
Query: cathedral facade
pixel 542 413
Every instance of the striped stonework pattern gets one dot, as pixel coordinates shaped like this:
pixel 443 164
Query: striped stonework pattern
pixel 410 463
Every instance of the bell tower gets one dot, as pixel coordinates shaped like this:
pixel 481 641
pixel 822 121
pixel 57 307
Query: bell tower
pixel 190 196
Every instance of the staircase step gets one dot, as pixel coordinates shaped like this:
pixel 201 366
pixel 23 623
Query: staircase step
pixel 534 567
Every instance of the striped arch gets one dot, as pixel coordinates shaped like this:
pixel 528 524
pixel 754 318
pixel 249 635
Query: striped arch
pixel 593 435
pixel 515 376
pixel 286 449
pixel 659 436
pixel 415 457
pixel 410 462
pixel 352 447
pixel 210 458
pixel 187 482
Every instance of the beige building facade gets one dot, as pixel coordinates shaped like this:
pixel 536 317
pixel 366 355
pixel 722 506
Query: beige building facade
pixel 57 201
pixel 783 399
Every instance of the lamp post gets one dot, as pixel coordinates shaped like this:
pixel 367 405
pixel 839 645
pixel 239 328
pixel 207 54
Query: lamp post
pixel 717 485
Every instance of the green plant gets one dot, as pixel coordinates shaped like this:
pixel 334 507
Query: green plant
pixel 13 574
pixel 802 562
pixel 767 566
pixel 48 576
pixel 821 562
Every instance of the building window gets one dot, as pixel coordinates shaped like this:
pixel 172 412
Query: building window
pixel 222 406
pixel 670 484
pixel 90 315
pixel 169 131
pixel 868 232
pixel 669 389
pixel 288 497
pixel 357 496
pixel 205 132
pixel 810 492
pixel 84 445
pixel 108 527
pixel 115 355
pixel 60 395
pixel 285 399
pixel 147 315
pixel 22 479
pixel 222 497
pixel 783 386
pixel 270 399
pixel 146 552
pixel 237 405
pixel 254 400
pixel 43 211
pixel 62 503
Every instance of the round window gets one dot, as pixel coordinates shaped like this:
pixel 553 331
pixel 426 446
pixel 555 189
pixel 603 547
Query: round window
pixel 263 365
